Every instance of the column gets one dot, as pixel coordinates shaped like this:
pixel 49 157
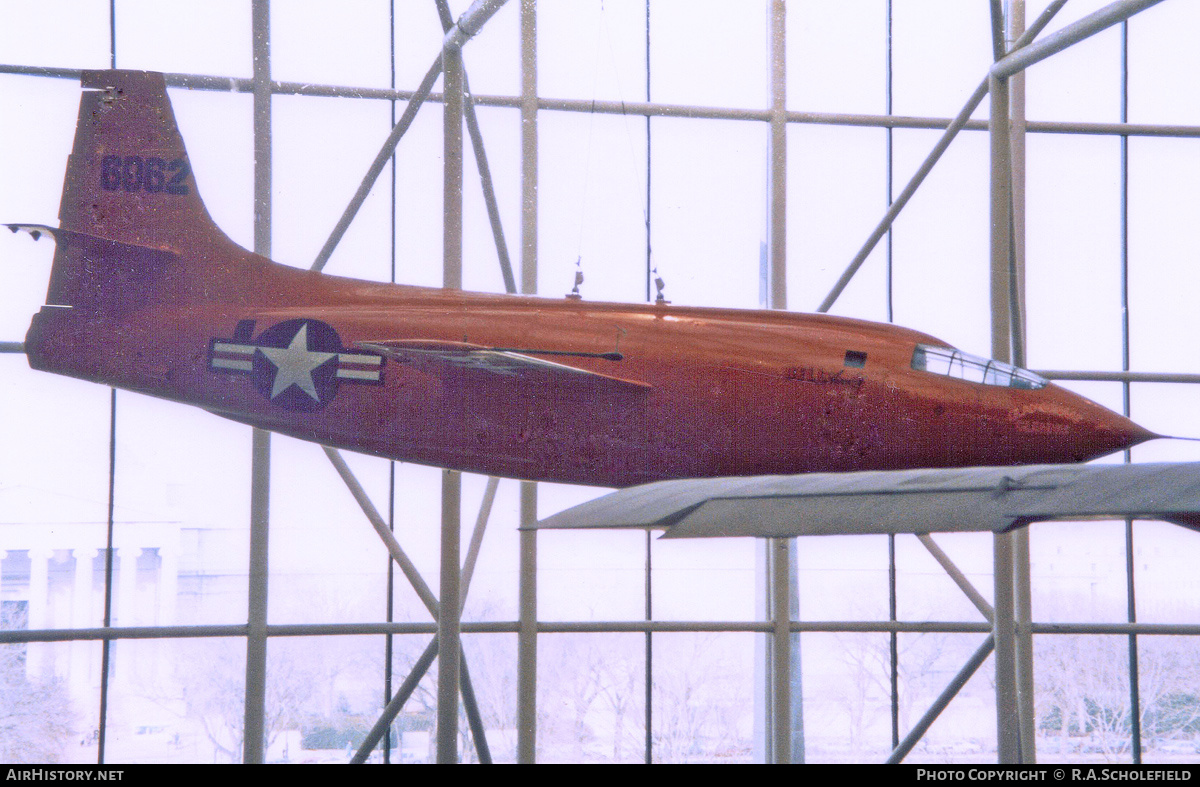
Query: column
pixel 39 592
pixel 81 609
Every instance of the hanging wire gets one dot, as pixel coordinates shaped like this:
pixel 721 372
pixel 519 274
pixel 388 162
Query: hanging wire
pixel 632 159
pixel 604 34
pixel 587 154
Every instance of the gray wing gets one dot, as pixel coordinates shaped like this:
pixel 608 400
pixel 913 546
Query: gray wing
pixel 956 500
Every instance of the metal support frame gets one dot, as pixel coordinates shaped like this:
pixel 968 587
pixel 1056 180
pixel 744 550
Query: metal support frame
pixel 1013 651
pixel 425 593
pixel 110 522
pixel 648 581
pixel 950 692
pixel 244 85
pixel 1013 629
pixel 781 652
pixel 1073 33
pixel 527 559
pixel 958 577
pixel 527 629
pixel 590 627
pixel 1023 593
pixel 957 124
pixel 781 551
pixel 253 736
pixel 902 748
pixel 778 155
pixel 485 174
pixel 110 527
pixel 1003 619
pixel 390 607
pixel 1135 732
pixel 889 276
pixel 467 26
pixel 453 583
pixel 449 635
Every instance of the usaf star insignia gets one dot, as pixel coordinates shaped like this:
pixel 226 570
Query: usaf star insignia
pixel 296 364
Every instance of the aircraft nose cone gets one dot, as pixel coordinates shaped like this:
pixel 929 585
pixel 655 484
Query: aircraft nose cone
pixel 1119 433
pixel 1099 431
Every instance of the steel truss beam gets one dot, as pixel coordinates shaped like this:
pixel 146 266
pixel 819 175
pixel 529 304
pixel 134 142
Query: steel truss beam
pixel 950 692
pixel 243 85
pixel 926 167
pixel 424 592
pixel 254 729
pixel 1073 33
pixel 589 627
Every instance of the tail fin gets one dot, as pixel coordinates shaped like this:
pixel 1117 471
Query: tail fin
pixel 130 208
pixel 128 177
pixel 133 230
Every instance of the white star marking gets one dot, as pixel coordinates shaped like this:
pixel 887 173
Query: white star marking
pixel 295 364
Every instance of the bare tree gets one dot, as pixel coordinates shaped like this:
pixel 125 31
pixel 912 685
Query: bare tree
pixel 211 682
pixel 925 661
pixel 589 694
pixel 35 715
pixel 699 698
pixel 1169 692
pixel 1083 692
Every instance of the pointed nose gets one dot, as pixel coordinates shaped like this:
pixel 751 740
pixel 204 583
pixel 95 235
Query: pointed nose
pixel 1096 431
pixel 1113 433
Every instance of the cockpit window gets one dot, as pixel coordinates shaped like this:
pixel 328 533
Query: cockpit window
pixel 964 366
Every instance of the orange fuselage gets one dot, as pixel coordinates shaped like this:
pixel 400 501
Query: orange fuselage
pixel 146 293
pixel 722 392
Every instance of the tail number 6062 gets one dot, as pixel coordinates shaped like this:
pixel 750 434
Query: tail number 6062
pixel 153 174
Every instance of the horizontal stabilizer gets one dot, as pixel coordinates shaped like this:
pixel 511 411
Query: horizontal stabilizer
pixel 970 499
pixel 92 272
pixel 35 230
pixel 518 364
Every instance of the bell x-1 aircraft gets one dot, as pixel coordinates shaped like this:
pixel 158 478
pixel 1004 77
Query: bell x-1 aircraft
pixel 148 294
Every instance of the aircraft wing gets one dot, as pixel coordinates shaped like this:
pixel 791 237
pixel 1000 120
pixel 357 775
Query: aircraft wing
pixel 994 499
pixel 505 362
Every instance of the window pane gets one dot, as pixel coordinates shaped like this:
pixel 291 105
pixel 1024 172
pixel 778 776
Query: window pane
pixel 703 706
pixel 51 698
pixel 847 705
pixel 177 701
pixel 966 730
pixel 1083 715
pixel 1168 686
pixel 591 689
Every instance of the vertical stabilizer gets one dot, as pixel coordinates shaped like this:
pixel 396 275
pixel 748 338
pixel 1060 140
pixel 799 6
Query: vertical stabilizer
pixel 131 214
pixel 128 177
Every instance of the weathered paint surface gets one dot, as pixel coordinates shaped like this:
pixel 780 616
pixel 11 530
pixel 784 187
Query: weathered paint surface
pixel 161 301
